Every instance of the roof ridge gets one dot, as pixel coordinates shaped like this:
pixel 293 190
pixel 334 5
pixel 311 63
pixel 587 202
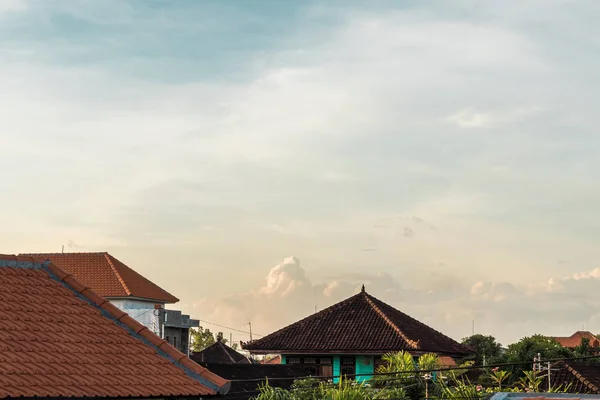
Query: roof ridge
pixel 412 343
pixel 119 277
pixel 581 378
pixel 180 360
pixel 227 351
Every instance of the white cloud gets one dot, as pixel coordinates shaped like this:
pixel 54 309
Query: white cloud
pixel 12 5
pixel 503 309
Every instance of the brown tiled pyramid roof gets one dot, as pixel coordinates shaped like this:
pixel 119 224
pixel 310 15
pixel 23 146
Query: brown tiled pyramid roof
pixel 107 276
pixel 360 324
pixel 60 339
pixel 219 353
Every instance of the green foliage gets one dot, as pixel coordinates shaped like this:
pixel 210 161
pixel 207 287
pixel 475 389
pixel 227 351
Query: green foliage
pixel 485 348
pixel 305 389
pixel 202 338
pixel 266 392
pixel 390 394
pixel 346 390
pixel 584 348
pixel 499 376
pixel 527 348
pixel 462 390
pixel 531 381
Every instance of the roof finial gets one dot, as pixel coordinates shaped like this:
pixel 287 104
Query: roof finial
pixel 362 290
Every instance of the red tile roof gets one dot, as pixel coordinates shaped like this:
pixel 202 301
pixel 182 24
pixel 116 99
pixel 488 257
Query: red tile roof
pixel 107 276
pixel 60 339
pixel 272 360
pixel 360 324
pixel 575 339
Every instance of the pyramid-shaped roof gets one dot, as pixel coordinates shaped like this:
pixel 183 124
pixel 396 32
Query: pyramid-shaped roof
pixel 59 339
pixel 219 353
pixel 360 324
pixel 107 276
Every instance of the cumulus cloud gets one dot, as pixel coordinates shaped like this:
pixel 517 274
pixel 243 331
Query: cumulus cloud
pixel 504 309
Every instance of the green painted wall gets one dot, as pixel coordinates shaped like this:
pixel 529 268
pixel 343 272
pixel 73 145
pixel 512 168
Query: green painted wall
pixel 364 365
pixel 336 368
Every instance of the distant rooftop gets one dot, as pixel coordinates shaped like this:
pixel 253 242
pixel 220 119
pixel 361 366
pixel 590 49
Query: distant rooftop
pixel 107 276
pixel 60 339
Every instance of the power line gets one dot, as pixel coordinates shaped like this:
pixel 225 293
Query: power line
pixel 231 329
pixel 419 371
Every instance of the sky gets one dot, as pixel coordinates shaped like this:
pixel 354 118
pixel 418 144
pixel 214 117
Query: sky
pixel 263 159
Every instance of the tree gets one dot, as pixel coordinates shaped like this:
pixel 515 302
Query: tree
pixel 584 348
pixel 202 338
pixel 486 349
pixel 529 347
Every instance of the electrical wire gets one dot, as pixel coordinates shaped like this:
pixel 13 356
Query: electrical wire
pixel 417 371
pixel 230 328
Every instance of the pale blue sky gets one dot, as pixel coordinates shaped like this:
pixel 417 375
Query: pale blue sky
pixel 442 149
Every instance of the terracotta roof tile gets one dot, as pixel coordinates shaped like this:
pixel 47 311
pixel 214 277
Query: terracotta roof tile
pixel 57 342
pixel 575 339
pixel 359 324
pixel 106 275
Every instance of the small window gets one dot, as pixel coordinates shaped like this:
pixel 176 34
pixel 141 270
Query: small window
pixel 324 361
pixel 347 369
pixel 174 341
pixel 167 339
pixel 293 360
pixel 310 360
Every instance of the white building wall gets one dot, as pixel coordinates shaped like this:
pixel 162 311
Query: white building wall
pixel 142 311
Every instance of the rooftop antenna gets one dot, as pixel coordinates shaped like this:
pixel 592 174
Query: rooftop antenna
pixel 63 249
pixel 473 328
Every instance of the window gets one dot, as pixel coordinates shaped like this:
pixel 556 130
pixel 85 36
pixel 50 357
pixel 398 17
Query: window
pixel 175 341
pixel 315 366
pixel 348 367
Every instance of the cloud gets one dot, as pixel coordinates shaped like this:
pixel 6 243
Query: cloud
pixel 220 145
pixel 12 5
pixel 443 301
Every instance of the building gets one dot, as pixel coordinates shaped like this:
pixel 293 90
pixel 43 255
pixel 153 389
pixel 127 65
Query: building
pixel 129 291
pixel 350 337
pixel 220 353
pixel 573 377
pixel 176 329
pixel 59 339
pixel 571 342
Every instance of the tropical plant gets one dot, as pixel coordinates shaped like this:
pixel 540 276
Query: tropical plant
pixel 267 392
pixel 499 376
pixel 531 381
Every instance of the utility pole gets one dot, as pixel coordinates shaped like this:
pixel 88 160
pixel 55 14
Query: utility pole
pixel 549 384
pixel 473 328
pixel 250 328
